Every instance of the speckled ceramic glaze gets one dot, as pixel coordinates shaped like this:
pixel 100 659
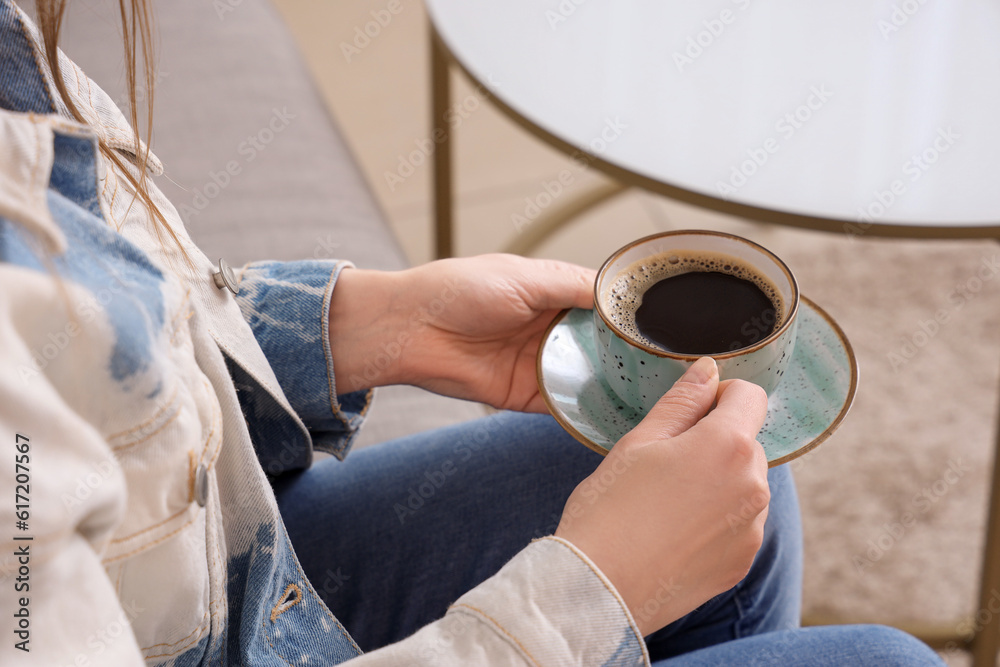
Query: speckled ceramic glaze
pixel 803 410
pixel 640 373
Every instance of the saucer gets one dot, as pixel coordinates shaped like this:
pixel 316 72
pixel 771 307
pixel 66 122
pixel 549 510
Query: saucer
pixel 813 398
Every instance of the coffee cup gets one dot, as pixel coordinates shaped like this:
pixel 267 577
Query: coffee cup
pixel 698 290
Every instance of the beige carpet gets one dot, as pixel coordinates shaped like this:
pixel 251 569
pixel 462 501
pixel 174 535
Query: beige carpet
pixel 917 445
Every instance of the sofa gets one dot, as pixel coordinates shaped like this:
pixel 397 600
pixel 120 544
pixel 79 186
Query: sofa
pixel 254 161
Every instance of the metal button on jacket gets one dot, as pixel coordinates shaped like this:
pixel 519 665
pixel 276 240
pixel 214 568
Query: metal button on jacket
pixel 225 278
pixel 201 485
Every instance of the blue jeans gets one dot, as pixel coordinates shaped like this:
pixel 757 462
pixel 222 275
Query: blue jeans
pixel 395 533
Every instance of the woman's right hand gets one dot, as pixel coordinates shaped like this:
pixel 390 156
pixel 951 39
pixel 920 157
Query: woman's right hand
pixel 675 514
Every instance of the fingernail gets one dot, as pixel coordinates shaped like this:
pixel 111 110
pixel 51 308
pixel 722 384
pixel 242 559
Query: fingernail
pixel 701 371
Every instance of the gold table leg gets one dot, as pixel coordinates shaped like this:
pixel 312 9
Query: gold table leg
pixel 441 135
pixel 986 620
pixel 544 227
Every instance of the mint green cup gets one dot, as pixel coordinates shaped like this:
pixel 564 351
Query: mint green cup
pixel 640 372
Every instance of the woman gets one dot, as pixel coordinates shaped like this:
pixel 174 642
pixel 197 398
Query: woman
pixel 152 400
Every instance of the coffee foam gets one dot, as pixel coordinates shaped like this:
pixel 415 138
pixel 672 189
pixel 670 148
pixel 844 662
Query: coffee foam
pixel 624 296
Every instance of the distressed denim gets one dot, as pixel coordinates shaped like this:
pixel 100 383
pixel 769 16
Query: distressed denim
pixel 422 519
pixel 127 363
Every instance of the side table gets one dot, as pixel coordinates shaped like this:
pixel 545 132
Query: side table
pixel 610 40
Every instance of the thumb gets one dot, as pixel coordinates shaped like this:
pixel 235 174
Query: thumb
pixel 559 285
pixel 684 405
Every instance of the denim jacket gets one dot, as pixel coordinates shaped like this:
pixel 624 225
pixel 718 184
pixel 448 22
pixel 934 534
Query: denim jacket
pixel 142 408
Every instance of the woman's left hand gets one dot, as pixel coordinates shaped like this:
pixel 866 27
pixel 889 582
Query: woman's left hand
pixel 468 327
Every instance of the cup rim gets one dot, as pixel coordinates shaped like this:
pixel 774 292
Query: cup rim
pixel 792 312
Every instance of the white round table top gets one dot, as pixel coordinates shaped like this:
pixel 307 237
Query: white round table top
pixel 850 115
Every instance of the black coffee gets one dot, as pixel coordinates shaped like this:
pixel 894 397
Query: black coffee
pixel 693 303
pixel 705 312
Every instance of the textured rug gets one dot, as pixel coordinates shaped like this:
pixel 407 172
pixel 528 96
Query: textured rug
pixel 894 503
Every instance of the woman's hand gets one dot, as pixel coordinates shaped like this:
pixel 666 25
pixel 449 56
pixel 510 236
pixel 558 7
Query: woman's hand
pixel 468 328
pixel 675 514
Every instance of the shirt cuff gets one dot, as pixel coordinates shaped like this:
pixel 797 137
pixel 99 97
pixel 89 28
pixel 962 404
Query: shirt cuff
pixel 554 606
pixel 347 410
pixel 287 305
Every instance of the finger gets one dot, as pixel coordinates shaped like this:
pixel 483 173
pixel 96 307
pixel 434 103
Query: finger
pixel 561 285
pixel 741 406
pixel 688 401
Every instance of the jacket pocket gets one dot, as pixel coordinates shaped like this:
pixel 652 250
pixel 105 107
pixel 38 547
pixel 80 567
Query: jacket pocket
pixel 166 557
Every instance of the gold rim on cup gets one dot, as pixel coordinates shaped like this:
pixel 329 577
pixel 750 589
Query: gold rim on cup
pixel 599 307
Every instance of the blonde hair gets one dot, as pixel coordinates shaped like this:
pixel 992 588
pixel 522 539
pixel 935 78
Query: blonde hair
pixel 136 21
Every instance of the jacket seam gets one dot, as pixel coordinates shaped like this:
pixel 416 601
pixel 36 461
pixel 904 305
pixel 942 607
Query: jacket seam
pixel 586 561
pixel 499 627
pixel 214 605
pixel 166 423
pixel 118 583
pixel 198 629
pixel 111 204
pixel 263 625
pixel 163 408
pixel 79 88
pixel 178 327
pixel 192 642
pixel 216 422
pixel 368 398
pixel 119 540
pixel 175 325
pixel 150 544
pixel 90 87
pixel 324 314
